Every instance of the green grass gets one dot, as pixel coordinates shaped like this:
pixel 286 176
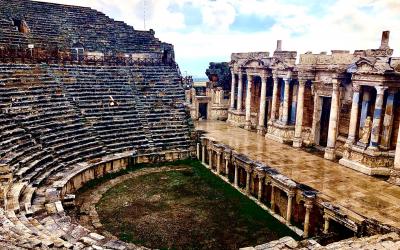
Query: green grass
pixel 184 209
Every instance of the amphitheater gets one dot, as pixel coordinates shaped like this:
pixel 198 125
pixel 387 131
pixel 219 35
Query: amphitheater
pixel 83 96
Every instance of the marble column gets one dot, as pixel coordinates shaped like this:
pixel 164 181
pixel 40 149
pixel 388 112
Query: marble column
pixel 263 101
pixel 260 187
pixel 306 228
pixel 366 100
pixel 236 179
pixel 293 106
pixel 248 176
pixel 218 162
pixel 388 121
pixel 274 99
pixel 285 112
pixel 289 208
pixel 333 122
pixel 272 198
pixel 210 159
pixel 240 91
pixel 227 166
pixel 233 90
pixel 326 224
pixel 397 153
pixel 297 141
pixel 248 102
pixel 198 150
pixel 203 154
pixel 376 123
pixel 354 115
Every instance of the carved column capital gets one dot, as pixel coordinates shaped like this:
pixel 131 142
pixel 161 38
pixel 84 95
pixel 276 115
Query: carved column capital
pixel 380 90
pixel 335 85
pixel 356 88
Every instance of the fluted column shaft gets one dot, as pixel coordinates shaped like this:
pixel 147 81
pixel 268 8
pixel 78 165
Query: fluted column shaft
pixel 289 208
pixel 274 99
pixel 376 123
pixel 307 220
pixel 263 101
pixel 333 122
pixel 233 90
pixel 297 141
pixel 248 102
pixel 286 94
pixel 354 115
pixel 240 91
pixel 397 153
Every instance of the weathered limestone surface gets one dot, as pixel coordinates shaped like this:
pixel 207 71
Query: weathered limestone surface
pixel 388 241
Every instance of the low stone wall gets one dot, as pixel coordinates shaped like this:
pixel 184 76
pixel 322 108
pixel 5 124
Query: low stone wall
pixel 305 210
pixel 388 241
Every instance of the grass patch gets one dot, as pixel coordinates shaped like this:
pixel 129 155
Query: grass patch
pixel 184 209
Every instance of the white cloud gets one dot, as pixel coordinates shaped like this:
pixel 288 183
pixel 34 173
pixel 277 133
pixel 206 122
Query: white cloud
pixel 343 24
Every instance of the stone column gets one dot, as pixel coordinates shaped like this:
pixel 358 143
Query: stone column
pixel 261 116
pixel 248 176
pixel 397 154
pixel 203 154
pixel 274 99
pixel 285 112
pixel 308 206
pixel 227 166
pixel 210 158
pixel 236 179
pixel 333 122
pixel 297 141
pixel 354 115
pixel 233 90
pixel 326 224
pixel 376 123
pixel 364 108
pixel 198 151
pixel 218 162
pixel 272 198
pixel 388 121
pixel 293 106
pixel 248 102
pixel 289 208
pixel 260 187
pixel 240 91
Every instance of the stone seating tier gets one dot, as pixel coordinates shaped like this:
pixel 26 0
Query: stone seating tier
pixel 58 26
pixel 51 130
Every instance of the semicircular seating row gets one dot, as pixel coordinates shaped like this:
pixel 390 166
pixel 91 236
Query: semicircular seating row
pixel 54 118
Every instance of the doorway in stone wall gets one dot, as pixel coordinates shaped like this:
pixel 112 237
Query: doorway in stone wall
pixel 203 111
pixel 324 121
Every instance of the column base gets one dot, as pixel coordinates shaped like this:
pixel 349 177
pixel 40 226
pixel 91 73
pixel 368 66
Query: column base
pixel 247 125
pixel 297 142
pixel 329 154
pixel 261 130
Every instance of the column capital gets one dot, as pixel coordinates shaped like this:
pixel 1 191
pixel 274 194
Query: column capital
pixel 291 194
pixel 302 82
pixel 380 90
pixel 356 88
pixel 335 85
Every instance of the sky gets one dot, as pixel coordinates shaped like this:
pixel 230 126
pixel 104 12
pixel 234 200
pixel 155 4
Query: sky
pixel 204 31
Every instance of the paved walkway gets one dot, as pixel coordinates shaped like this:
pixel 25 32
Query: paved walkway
pixel 360 193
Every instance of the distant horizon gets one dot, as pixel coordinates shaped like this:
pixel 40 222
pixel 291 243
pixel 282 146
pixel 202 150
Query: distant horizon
pixel 205 31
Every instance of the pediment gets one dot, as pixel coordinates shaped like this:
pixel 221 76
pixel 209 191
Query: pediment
pixel 372 66
pixel 253 63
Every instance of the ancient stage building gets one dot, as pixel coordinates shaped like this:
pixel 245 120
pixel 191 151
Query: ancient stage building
pixel 342 103
pixel 210 102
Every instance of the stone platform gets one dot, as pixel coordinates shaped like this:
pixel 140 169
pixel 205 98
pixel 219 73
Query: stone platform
pixel 365 195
